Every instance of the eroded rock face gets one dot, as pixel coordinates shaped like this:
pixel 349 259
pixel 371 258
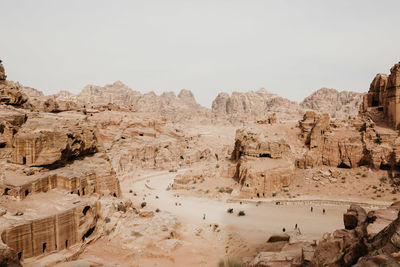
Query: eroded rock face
pixel 254 105
pixel 10 92
pixel 251 142
pixel 336 104
pixel 3 75
pixel 355 246
pixel 264 163
pixel 48 140
pixel 8 256
pixel 381 101
pixel 11 121
pixel 347 143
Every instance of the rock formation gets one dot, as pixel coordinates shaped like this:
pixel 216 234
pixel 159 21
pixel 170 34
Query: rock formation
pixel 367 238
pixel 336 104
pixel 382 100
pixel 254 105
pixel 10 92
pixel 48 140
pixel 264 163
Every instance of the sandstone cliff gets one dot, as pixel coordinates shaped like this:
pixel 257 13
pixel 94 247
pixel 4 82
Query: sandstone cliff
pixel 254 105
pixel 336 104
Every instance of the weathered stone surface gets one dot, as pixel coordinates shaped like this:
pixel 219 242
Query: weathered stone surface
pixel 8 256
pixel 47 140
pixel 254 105
pixel 251 142
pixel 377 261
pixel 348 247
pixel 3 75
pixel 11 121
pixel 383 97
pixel 336 104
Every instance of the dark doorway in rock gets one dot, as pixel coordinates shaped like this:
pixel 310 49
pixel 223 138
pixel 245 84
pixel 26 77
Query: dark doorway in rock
pixel 66 243
pixel 85 210
pixel 44 245
pixel 83 191
pixel 343 166
pixel 385 167
pixel 6 191
pixel 140 134
pixel 258 194
pixel 79 193
pixel 24 160
pixel 19 255
pixel 26 192
pixel 88 233
pixel 114 195
pixel 265 155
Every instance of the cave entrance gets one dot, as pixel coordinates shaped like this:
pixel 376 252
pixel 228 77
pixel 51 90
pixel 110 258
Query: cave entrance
pixel 83 191
pixel 6 191
pixel 66 243
pixel 258 194
pixel 375 103
pixel 20 255
pixel 85 210
pixel 265 155
pixel 114 195
pixel 79 193
pixel 343 166
pixel 385 167
pixel 88 233
pixel 26 192
pixel 24 160
pixel 44 245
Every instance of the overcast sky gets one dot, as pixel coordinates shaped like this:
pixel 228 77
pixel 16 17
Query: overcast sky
pixel 291 48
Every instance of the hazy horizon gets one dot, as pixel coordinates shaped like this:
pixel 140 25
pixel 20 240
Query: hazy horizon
pixel 290 48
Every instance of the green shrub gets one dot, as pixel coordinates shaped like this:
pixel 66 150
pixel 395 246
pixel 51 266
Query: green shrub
pixel 143 204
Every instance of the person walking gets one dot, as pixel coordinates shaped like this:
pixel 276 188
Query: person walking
pixel 312 209
pixel 295 227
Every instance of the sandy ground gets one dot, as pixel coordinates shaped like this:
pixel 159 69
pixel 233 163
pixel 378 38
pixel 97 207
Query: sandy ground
pixel 204 241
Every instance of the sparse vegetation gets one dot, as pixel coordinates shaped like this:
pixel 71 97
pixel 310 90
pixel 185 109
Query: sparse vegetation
pixel 230 210
pixel 107 220
pixel 241 213
pixel 273 194
pixel 143 204
pixel 364 175
pixel 157 210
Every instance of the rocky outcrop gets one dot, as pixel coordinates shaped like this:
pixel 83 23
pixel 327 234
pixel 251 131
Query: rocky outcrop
pixel 264 163
pixel 347 143
pixel 355 245
pixel 175 108
pixel 336 104
pixel 254 105
pixel 252 142
pixel 3 75
pixel 381 102
pixel 11 121
pixel 8 256
pixel 10 92
pixel 46 140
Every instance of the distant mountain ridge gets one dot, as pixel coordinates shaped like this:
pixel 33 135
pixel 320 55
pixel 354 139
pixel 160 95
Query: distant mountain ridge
pixel 237 107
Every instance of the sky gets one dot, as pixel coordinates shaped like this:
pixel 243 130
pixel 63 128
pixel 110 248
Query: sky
pixel 288 47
